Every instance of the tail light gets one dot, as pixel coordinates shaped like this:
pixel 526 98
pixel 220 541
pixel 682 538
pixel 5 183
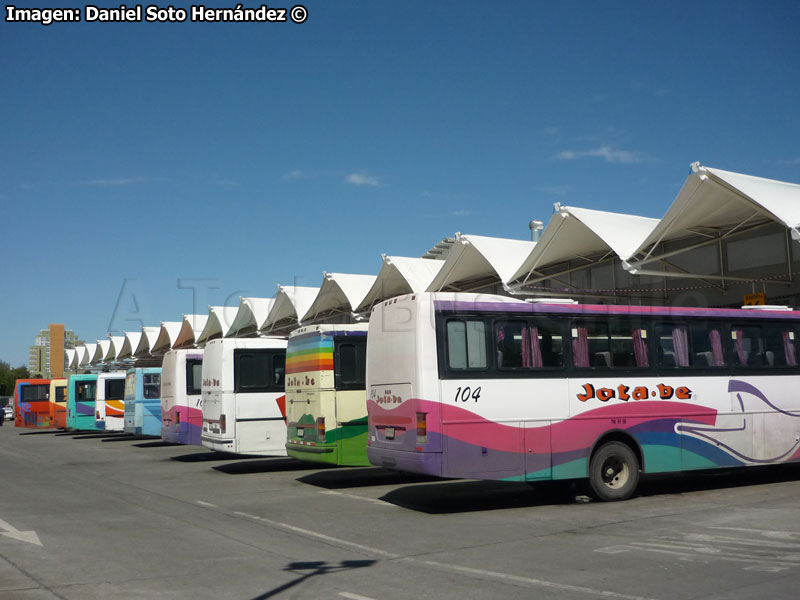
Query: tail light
pixel 320 429
pixel 97 415
pixel 422 428
pixel 222 423
pixel 177 418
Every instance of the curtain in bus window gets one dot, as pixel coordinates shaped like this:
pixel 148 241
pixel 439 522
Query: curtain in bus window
pixel 680 346
pixel 715 337
pixel 536 348
pixel 640 348
pixel 526 348
pixel 580 347
pixel 738 344
pixel 788 348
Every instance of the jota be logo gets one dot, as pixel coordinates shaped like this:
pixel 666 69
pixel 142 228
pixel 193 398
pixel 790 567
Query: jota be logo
pixel 641 392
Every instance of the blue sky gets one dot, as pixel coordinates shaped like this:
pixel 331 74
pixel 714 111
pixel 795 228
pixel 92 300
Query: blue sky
pixel 247 155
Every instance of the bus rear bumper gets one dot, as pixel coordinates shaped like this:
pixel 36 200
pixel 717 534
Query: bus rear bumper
pixel 425 463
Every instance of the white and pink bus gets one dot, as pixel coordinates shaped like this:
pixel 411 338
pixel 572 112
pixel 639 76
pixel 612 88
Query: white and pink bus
pixel 181 402
pixel 489 387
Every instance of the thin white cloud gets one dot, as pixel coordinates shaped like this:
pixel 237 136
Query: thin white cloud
pixel 362 179
pixel 118 181
pixel 791 161
pixel 462 213
pixel 607 153
pixel 293 175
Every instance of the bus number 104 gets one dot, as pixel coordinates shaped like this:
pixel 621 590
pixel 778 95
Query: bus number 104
pixel 464 394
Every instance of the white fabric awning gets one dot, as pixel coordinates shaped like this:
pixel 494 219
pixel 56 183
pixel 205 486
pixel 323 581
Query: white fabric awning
pixel 191 328
pixel 474 258
pixel 100 351
pixel 290 301
pixel 69 356
pixel 114 347
pixel 581 232
pixel 713 201
pixel 167 334
pixel 339 292
pixel 148 339
pixel 219 321
pixel 130 344
pixel 88 354
pixel 250 317
pixel 400 275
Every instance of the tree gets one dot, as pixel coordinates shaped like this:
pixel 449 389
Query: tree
pixel 9 375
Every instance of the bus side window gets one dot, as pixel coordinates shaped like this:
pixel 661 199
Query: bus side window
pixel 780 348
pixel 673 346
pixel 466 344
pixel 278 369
pixel 513 345
pixel 706 345
pixel 115 389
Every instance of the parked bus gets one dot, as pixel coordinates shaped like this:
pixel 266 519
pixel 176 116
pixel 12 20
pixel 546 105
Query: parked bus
pixel 58 403
pixel 143 401
pixel 32 404
pixel 487 387
pixel 81 395
pixel 244 403
pixel 326 401
pixel 110 403
pixel 181 400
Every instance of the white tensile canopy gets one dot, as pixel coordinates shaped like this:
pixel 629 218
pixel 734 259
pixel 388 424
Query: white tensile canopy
pixel 130 344
pixel 69 356
pixel 191 328
pixel 148 339
pixel 400 275
pixel 220 319
pixel 582 233
pixel 88 354
pixel 339 293
pixel 100 351
pixel 291 301
pixel 114 347
pixel 250 317
pixel 714 204
pixel 476 261
pixel 167 334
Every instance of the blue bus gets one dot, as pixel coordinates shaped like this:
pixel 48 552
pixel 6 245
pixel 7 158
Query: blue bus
pixel 143 401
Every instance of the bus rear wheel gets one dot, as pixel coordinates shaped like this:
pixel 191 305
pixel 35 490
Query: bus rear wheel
pixel 614 472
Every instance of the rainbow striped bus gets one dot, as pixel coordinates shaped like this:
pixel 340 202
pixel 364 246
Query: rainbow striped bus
pixel 32 404
pixel 326 401
pixel 181 401
pixel 81 396
pixel 489 387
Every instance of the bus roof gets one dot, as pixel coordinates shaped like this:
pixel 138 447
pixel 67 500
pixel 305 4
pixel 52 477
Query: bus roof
pixel 492 303
pixel 342 329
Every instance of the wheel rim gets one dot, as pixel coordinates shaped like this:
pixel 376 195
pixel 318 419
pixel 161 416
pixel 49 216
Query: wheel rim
pixel 614 472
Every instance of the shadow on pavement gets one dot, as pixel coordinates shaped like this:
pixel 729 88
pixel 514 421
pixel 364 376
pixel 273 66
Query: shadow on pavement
pixel 307 570
pixel 266 465
pixel 209 456
pixel 343 478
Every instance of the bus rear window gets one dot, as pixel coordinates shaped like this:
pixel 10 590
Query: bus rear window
pixel 115 389
pixel 35 393
pixel 152 386
pixel 351 365
pixel 61 394
pixel 194 375
pixel 258 370
pixel 85 391
pixel 466 344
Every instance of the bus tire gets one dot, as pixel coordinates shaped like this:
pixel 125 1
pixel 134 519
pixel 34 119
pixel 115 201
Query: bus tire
pixel 613 472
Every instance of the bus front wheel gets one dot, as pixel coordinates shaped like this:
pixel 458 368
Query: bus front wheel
pixel 614 472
